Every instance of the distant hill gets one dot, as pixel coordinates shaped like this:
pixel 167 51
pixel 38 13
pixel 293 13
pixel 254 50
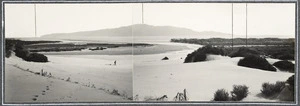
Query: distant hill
pixel 138 30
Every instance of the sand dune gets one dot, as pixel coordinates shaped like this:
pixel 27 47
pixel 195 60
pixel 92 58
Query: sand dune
pixel 91 79
pixel 154 77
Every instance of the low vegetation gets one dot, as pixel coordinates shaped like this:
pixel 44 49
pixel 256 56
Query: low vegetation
pixel 115 92
pixel 254 61
pixel 283 55
pixel 165 58
pixel 17 46
pixel 36 57
pixel 282 90
pixel 200 54
pixel 221 95
pixel 57 47
pixel 276 48
pixel 97 48
pixel 285 66
pixel 237 41
pixel 243 52
pixel 270 90
pixel 291 80
pixel 239 92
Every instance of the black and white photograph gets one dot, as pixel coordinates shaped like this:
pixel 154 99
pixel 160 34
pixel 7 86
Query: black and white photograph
pixel 149 52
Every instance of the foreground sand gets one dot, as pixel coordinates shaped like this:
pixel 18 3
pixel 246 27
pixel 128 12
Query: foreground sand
pixel 154 77
pixel 92 79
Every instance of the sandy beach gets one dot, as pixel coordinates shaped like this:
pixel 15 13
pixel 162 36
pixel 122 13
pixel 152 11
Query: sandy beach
pixel 92 78
pixel 154 77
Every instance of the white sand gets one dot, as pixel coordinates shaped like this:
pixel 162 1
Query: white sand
pixel 21 86
pixel 154 77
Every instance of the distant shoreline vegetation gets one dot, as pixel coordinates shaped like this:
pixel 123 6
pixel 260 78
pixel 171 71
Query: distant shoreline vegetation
pixel 17 46
pixel 237 41
pixel 283 49
pixel 58 46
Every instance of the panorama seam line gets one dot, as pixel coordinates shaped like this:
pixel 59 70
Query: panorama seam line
pixel 2 48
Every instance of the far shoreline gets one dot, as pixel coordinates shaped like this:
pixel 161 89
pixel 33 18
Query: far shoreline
pixel 139 50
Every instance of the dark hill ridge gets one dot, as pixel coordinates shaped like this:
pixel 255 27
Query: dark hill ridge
pixel 136 30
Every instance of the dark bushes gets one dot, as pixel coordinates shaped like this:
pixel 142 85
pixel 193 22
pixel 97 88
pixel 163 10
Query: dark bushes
pixel 279 85
pixel 8 48
pixel 165 58
pixel 20 51
pixel 195 57
pixel 97 48
pixel 27 56
pixel 269 90
pixel 8 53
pixel 208 49
pixel 239 92
pixel 291 80
pixel 221 95
pixel 285 66
pixel 200 54
pixel 288 92
pixel 254 61
pixel 243 52
pixel 35 57
pixel 288 55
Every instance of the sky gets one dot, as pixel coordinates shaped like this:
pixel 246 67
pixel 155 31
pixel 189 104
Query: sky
pixel 273 19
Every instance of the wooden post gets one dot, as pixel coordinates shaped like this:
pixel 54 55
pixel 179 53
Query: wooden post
pixel 184 94
pixel 35 30
pixel 232 26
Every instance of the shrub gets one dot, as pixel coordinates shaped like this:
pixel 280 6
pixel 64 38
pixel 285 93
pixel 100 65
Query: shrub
pixel 285 65
pixel 243 52
pixel 27 56
pixel 8 53
pixel 291 80
pixel 115 92
pixel 221 95
pixel 200 54
pixel 22 53
pixel 287 55
pixel 165 58
pixel 35 57
pixel 239 92
pixel 272 89
pixel 8 48
pixel 208 49
pixel 254 61
pixel 200 57
pixel 195 57
pixel 279 85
